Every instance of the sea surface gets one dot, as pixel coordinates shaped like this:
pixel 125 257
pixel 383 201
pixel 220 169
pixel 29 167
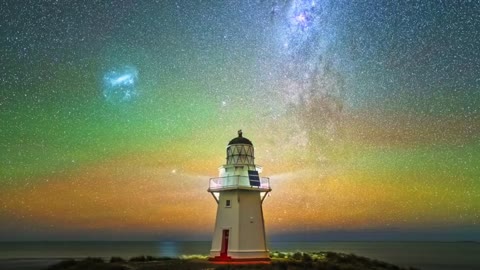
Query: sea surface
pixel 423 255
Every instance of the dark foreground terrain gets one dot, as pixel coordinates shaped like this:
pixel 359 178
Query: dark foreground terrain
pixel 280 261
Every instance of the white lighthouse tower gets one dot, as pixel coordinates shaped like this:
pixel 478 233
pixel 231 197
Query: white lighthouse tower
pixel 239 192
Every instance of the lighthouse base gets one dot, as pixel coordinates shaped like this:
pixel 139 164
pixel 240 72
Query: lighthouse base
pixel 230 260
pixel 240 256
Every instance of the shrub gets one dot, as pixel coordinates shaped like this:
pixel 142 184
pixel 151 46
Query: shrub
pixel 297 256
pixel 93 260
pixel 306 257
pixel 138 259
pixel 331 256
pixel 63 264
pixel 193 256
pixel 117 260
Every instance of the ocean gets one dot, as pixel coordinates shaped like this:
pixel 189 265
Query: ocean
pixel 423 255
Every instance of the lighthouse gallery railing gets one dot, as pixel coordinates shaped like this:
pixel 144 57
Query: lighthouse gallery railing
pixel 227 182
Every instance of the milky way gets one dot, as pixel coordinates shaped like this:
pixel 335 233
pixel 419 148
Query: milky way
pixel 114 114
pixel 310 82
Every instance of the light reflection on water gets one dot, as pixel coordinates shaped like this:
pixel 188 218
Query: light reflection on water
pixel 169 249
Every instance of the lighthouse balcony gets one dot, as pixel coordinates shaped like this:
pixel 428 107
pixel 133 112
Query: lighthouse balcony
pixel 239 182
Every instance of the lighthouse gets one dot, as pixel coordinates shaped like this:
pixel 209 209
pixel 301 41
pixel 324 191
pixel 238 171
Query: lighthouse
pixel 239 192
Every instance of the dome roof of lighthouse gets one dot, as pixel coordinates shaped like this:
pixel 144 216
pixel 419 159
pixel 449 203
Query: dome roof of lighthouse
pixel 240 139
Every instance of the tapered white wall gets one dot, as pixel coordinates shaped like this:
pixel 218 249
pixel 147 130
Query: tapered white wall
pixel 245 221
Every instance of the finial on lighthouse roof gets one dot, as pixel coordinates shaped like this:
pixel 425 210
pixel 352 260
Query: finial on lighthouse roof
pixel 240 139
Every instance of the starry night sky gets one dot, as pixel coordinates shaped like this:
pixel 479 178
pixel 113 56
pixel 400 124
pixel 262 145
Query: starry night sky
pixel 365 114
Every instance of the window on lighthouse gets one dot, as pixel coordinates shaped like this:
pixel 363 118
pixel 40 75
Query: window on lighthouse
pixel 227 203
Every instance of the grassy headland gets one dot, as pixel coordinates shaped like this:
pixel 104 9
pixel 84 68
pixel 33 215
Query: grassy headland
pixel 280 261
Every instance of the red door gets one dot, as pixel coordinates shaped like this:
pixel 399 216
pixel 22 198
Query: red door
pixel 224 250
